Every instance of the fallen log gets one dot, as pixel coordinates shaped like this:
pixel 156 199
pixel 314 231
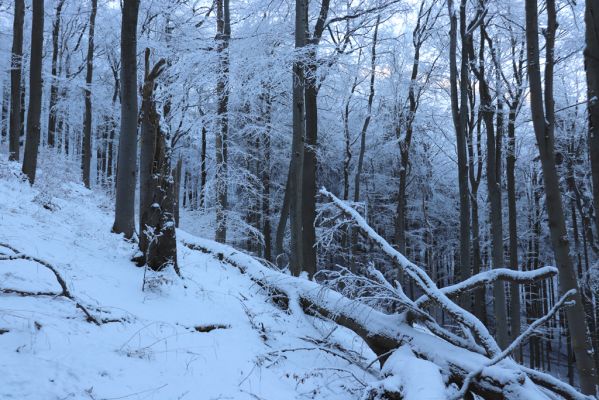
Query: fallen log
pixel 384 333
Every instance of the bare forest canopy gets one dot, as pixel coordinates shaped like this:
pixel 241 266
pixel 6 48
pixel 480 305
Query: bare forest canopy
pixel 456 143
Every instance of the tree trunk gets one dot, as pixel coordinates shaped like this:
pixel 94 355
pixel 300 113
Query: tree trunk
pixel 591 64
pixel 404 146
pixel 149 146
pixel 495 216
pixel 282 224
pixel 86 150
pixel 543 121
pixel 295 182
pixel 5 108
pixel 265 177
pixel 15 81
pixel 512 220
pixel 124 220
pixel 203 173
pixel 222 93
pixel 368 113
pixel 35 92
pixel 459 113
pixel 157 240
pixel 54 84
pixel 177 188
pixel 309 169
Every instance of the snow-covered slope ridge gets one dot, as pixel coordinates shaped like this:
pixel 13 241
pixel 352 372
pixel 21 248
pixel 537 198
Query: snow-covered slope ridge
pixel 212 335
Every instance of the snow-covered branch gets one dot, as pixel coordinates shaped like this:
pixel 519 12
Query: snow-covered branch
pixel 487 277
pixel 384 332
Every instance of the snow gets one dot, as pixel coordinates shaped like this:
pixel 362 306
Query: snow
pixel 212 335
pixel 414 378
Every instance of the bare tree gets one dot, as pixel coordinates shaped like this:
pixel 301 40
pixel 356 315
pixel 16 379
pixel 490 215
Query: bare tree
pixel 35 92
pixel 459 109
pixel 294 187
pixel 124 219
pixel 591 63
pixel 368 112
pixel 54 81
pixel 86 150
pixel 424 23
pixel 543 118
pixel 222 92
pixel 15 80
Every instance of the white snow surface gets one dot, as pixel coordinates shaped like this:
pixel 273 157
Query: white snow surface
pixel 414 378
pixel 49 351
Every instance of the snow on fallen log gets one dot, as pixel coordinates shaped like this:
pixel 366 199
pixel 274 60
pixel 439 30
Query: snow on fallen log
pixel 412 377
pixel 384 332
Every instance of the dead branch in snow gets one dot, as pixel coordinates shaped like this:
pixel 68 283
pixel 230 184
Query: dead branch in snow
pixel 65 293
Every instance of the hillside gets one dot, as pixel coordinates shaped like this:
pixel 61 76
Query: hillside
pixel 212 335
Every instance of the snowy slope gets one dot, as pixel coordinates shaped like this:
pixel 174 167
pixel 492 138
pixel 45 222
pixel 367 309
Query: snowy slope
pixel 212 335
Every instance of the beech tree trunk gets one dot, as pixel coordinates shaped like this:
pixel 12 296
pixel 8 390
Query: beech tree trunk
pixel 54 84
pixel 591 64
pixel 14 130
pixel 459 113
pixel 35 92
pixel 124 220
pixel 512 220
pixel 265 178
pixel 404 145
pixel 222 92
pixel 542 107
pixel 295 181
pixel 86 149
pixel 203 173
pixel 368 114
pixel 494 189
pixel 157 239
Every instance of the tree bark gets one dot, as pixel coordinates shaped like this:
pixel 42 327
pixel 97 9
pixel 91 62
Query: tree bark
pixel 35 92
pixel 513 219
pixel 222 92
pixel 542 109
pixel 203 172
pixel 309 168
pixel 459 113
pixel 591 64
pixel 404 145
pixel 177 189
pixel 157 239
pixel 124 220
pixel 295 181
pixel 265 177
pixel 368 113
pixel 54 85
pixel 494 189
pixel 86 149
pixel 14 130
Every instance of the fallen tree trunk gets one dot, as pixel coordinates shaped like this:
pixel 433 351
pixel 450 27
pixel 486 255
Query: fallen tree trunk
pixel 384 333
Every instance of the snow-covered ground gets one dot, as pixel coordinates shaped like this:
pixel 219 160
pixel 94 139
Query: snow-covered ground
pixel 212 335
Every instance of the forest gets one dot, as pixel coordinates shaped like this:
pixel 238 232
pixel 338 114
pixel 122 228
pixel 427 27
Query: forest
pixel 407 190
